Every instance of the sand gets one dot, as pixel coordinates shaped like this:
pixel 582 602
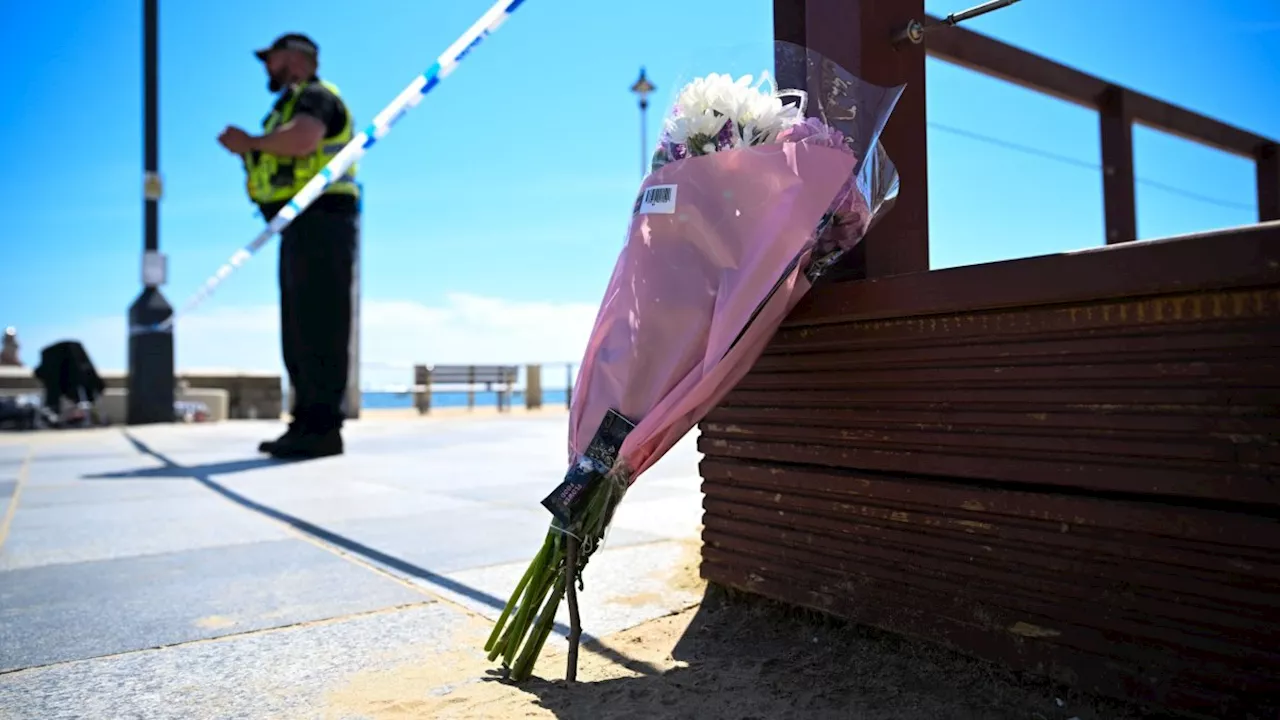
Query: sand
pixel 729 657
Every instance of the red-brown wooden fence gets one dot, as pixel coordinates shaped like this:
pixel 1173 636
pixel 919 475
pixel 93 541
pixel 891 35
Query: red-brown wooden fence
pixel 1069 464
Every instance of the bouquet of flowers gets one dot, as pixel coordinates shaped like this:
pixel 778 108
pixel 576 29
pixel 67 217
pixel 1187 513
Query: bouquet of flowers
pixel 754 192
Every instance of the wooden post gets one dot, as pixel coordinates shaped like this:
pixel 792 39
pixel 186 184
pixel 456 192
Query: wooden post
pixel 533 387
pixel 568 387
pixel 422 389
pixel 857 36
pixel 508 382
pixel 1268 169
pixel 1118 192
pixel 471 387
pixel 500 394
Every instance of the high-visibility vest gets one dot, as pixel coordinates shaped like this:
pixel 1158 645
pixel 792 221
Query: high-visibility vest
pixel 273 179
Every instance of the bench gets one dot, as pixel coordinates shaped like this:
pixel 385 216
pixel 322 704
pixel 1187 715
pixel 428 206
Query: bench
pixel 501 378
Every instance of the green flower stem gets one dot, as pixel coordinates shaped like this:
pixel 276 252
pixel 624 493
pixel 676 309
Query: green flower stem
pixel 545 631
pixel 538 560
pixel 524 615
pixel 524 666
pixel 540 571
pixel 529 616
pixel 517 629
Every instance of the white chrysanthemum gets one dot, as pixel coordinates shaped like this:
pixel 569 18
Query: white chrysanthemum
pixel 690 124
pixel 767 116
pixel 705 104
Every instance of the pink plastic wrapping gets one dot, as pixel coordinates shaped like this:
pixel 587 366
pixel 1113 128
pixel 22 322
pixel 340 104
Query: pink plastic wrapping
pixel 687 283
pixel 720 249
pixel 749 201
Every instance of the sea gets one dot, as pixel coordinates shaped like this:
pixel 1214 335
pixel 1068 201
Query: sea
pixel 391 400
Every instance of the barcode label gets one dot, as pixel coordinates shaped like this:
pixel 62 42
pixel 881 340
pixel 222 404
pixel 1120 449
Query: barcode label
pixel 659 199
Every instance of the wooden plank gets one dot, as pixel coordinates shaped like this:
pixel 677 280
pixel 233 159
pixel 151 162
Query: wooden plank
pixel 989 56
pixel 467 374
pixel 1119 198
pixel 1268 172
pixel 1233 258
pixel 1097 527
pixel 997 59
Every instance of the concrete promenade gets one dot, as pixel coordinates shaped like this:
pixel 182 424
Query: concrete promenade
pixel 173 572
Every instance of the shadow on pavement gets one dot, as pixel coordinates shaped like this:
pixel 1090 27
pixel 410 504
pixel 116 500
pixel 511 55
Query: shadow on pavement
pixel 201 473
pixel 197 472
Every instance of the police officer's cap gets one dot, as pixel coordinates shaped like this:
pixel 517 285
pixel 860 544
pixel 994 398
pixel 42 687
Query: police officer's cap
pixel 291 41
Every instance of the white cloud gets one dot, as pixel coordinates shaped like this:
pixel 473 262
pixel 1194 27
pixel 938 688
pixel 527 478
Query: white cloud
pixel 395 334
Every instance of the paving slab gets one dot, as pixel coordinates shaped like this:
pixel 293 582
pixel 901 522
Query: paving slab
pixel 673 516
pixel 447 542
pixel 71 612
pixel 528 489
pixel 622 588
pixel 125 540
pixel 95 494
pixel 76 533
pixel 278 674
pixel 78 455
pixel 372 504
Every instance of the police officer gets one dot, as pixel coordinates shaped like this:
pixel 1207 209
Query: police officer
pixel 305 129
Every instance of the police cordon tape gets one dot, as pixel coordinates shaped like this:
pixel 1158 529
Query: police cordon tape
pixel 354 150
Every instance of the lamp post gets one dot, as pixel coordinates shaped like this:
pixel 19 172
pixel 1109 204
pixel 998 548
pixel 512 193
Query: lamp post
pixel 150 398
pixel 642 88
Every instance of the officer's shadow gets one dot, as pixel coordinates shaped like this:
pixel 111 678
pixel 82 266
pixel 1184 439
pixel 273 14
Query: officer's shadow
pixel 203 473
pixel 192 472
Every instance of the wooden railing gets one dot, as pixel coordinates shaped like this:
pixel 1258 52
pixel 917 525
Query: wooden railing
pixel 1118 109
pixel 856 34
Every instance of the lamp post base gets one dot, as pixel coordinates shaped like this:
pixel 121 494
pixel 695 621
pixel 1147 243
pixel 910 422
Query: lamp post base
pixel 151 377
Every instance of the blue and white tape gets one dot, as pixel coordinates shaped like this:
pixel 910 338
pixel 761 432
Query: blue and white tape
pixel 359 145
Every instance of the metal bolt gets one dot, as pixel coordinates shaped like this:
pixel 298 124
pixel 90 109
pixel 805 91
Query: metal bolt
pixel 913 32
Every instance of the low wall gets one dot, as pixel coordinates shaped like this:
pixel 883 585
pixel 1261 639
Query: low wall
pixel 1067 465
pixel 250 395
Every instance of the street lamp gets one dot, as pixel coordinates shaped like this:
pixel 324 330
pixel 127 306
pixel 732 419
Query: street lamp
pixel 150 381
pixel 642 88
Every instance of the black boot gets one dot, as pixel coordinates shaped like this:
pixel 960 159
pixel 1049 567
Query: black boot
pixel 310 445
pixel 291 434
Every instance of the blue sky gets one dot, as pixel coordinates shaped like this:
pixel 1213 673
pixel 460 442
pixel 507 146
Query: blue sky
pixel 495 209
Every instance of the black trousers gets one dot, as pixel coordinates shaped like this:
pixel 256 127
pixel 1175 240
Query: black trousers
pixel 317 259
